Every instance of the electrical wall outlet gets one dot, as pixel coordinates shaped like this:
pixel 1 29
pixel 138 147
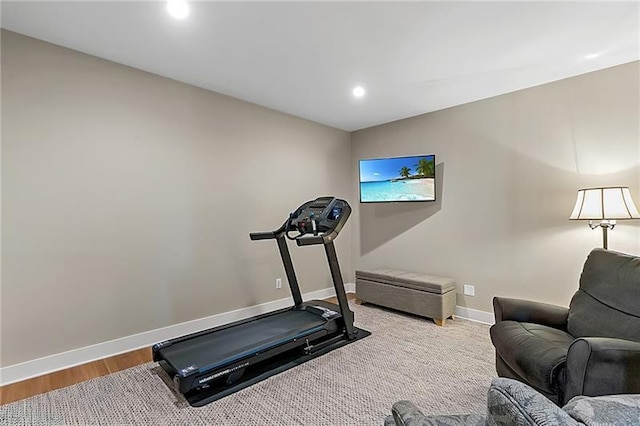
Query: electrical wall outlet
pixel 469 290
pixel 278 282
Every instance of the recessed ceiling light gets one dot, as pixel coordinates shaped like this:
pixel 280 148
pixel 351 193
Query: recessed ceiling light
pixel 591 56
pixel 358 91
pixel 179 9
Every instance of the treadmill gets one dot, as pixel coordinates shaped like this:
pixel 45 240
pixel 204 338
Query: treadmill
pixel 211 364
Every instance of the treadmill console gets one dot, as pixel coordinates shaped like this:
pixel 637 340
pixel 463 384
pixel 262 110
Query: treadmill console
pixel 324 215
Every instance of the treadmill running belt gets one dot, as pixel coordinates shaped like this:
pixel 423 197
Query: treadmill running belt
pixel 214 350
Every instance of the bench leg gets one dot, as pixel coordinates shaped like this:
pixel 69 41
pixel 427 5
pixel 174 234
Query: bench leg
pixel 439 322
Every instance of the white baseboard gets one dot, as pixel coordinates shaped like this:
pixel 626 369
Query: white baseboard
pixel 49 364
pixel 475 315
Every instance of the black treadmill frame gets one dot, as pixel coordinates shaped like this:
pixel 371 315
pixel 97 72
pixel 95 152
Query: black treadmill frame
pixel 285 356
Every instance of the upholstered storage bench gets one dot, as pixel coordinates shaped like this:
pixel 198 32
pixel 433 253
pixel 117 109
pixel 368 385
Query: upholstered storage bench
pixel 420 294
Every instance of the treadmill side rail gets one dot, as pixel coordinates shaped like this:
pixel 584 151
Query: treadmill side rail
pixel 161 345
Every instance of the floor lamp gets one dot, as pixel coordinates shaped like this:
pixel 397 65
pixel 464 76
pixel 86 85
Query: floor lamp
pixel 606 204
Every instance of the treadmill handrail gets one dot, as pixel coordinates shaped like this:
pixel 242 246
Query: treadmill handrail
pixel 267 235
pixel 309 240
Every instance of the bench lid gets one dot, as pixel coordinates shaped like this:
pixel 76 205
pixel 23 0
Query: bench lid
pixel 413 280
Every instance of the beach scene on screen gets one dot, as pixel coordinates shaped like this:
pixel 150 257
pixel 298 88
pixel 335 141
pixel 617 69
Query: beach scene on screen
pixel 398 179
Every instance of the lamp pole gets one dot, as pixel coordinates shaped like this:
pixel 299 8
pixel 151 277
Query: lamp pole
pixel 605 225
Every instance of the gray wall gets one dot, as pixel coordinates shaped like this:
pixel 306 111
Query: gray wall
pixel 128 199
pixel 508 169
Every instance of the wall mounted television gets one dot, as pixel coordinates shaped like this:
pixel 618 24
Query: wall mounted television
pixel 399 179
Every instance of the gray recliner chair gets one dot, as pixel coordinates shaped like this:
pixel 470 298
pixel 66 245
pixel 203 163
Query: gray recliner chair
pixel 510 403
pixel 591 348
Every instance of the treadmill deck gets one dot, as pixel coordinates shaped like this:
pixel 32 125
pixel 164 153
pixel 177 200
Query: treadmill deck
pixel 213 350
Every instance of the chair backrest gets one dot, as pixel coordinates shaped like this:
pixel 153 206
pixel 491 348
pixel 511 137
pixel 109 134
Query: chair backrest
pixel 607 304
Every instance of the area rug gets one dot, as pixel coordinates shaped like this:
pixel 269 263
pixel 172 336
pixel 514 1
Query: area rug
pixel 443 370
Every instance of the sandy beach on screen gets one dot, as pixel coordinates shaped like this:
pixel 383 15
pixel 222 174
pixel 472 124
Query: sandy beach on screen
pixel 418 187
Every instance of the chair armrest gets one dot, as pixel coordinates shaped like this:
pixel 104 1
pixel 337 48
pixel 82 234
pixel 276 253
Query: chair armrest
pixel 510 402
pixel 405 413
pixel 602 366
pixel 604 410
pixel 521 310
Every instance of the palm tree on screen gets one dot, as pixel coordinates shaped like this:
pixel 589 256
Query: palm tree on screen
pixel 425 168
pixel 405 172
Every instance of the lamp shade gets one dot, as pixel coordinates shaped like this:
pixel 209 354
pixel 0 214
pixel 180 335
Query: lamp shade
pixel 605 203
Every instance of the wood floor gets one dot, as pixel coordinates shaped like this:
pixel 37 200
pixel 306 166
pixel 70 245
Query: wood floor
pixel 71 376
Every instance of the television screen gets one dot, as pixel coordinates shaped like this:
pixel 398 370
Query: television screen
pixel 398 179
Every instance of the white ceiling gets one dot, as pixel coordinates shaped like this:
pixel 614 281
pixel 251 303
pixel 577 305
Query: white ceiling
pixel 305 58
